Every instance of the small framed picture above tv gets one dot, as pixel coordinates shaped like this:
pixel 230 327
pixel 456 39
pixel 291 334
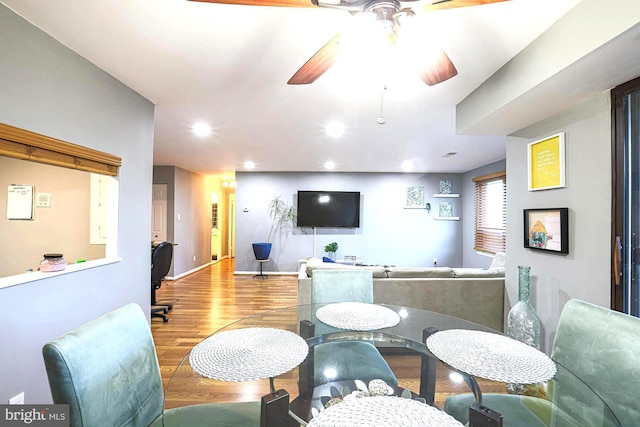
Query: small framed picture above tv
pixel 547 230
pixel 339 209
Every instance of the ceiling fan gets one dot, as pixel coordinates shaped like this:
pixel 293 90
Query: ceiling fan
pixel 388 13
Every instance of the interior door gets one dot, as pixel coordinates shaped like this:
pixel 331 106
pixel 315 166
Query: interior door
pixel 159 213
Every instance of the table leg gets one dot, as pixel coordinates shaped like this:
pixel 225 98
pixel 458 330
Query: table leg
pixel 274 410
pixel 481 416
pixel 305 370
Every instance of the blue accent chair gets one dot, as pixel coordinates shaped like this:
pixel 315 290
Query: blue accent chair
pixel 597 345
pixel 107 372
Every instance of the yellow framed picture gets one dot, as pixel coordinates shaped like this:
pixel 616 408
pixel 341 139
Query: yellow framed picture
pixel 546 163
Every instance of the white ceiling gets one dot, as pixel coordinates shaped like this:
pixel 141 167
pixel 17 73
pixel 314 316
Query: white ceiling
pixel 228 65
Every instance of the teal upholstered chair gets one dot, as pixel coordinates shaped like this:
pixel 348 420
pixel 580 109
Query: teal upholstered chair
pixel 107 371
pixel 597 345
pixel 353 359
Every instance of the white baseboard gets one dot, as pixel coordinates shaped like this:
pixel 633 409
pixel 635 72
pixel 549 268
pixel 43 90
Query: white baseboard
pixel 186 273
pixel 266 273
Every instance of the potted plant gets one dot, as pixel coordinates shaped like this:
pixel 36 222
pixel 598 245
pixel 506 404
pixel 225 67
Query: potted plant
pixel 279 213
pixel 331 250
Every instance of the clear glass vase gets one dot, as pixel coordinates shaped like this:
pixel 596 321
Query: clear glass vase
pixel 523 323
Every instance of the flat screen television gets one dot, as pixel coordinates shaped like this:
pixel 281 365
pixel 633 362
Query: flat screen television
pixel 329 209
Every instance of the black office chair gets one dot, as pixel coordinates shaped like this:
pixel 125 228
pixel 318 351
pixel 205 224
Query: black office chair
pixel 160 265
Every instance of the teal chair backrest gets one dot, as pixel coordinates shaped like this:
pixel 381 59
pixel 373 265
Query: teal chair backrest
pixel 107 371
pixel 341 285
pixel 600 346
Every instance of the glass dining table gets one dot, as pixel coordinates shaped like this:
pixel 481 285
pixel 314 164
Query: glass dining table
pixel 268 357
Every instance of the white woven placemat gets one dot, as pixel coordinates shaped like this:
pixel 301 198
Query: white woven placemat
pixel 491 356
pixel 382 411
pixel 248 354
pixel 357 316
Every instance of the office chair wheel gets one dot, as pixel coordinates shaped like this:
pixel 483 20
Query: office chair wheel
pixel 165 319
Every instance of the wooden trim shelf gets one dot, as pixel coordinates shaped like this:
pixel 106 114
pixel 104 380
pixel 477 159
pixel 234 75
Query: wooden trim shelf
pixel 446 195
pixel 26 145
pixel 447 218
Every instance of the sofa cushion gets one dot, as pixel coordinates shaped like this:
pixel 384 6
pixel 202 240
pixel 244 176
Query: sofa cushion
pixel 377 271
pixel 478 272
pixel 419 272
pixel 498 260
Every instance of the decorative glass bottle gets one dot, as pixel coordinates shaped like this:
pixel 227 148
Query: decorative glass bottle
pixel 523 323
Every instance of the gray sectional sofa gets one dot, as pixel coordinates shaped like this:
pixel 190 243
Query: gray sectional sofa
pixel 472 294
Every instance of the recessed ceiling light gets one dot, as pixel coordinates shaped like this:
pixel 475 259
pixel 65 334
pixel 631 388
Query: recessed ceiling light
pixel 407 166
pixel 201 129
pixel 334 129
pixel 329 165
pixel 249 165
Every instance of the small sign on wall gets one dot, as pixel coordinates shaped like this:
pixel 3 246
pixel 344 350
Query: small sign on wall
pixel 43 200
pixel 20 201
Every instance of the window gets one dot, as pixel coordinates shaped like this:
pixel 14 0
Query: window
pixel 214 215
pixel 490 212
pixel 81 185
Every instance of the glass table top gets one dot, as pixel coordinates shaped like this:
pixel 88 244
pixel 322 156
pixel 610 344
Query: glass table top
pixel 403 347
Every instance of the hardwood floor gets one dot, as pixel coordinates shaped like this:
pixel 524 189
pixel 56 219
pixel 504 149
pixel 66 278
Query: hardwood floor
pixel 209 299
pixel 213 297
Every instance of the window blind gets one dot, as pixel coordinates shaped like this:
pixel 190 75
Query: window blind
pixel 22 144
pixel 490 212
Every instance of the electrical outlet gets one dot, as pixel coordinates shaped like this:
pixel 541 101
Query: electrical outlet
pixel 17 399
pixel 194 257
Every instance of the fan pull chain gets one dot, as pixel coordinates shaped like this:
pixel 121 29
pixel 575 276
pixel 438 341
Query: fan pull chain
pixel 382 119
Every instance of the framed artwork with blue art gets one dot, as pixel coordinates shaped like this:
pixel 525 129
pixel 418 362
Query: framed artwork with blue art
pixel 547 230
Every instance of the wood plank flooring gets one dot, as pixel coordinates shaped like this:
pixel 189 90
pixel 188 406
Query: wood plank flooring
pixel 213 297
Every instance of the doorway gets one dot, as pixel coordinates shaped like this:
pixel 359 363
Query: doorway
pixel 159 213
pixel 626 198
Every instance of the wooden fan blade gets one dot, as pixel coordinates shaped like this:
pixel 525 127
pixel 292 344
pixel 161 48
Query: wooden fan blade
pixel 318 64
pixel 439 70
pixel 282 3
pixel 450 4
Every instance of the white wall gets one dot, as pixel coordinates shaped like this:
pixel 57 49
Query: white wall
pixel 585 272
pixel 48 232
pixel 48 89
pixel 388 233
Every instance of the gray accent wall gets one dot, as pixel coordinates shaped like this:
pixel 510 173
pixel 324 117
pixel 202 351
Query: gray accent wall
pixel 585 273
pixel 389 234
pixel 48 89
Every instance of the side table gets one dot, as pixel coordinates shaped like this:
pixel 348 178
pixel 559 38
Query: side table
pixel 261 263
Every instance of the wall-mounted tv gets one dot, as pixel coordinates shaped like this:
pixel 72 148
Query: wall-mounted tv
pixel 329 209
